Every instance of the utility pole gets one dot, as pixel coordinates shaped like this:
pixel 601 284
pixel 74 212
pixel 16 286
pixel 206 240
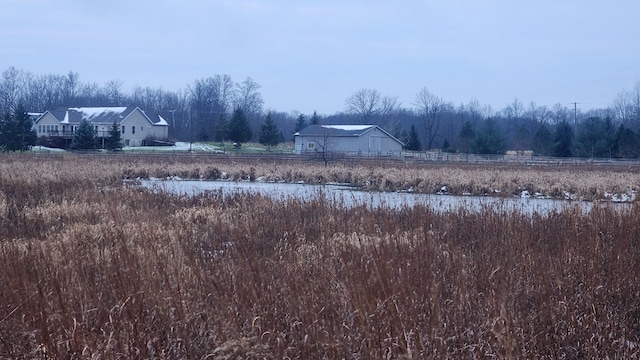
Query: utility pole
pixel 575 116
pixel 173 118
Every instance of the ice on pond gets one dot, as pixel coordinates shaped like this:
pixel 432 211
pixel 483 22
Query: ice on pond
pixel 350 196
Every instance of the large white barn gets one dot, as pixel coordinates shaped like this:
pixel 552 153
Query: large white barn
pixel 136 126
pixel 364 140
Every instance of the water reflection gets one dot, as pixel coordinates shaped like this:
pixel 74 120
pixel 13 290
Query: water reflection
pixel 350 196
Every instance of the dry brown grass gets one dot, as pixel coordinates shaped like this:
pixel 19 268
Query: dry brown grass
pixel 92 269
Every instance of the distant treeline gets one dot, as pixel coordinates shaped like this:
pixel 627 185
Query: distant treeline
pixel 198 113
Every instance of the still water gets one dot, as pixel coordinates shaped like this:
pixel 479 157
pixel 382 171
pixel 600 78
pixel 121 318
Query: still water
pixel 350 196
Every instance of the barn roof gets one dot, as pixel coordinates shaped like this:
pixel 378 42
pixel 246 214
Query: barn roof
pixel 335 130
pixel 341 131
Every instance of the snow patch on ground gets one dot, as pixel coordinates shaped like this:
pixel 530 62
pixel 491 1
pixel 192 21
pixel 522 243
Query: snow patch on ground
pixel 39 148
pixel 621 198
pixel 179 146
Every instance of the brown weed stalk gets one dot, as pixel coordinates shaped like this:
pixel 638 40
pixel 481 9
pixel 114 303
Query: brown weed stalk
pixel 92 269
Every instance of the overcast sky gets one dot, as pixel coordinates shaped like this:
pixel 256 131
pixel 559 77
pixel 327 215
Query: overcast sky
pixel 311 55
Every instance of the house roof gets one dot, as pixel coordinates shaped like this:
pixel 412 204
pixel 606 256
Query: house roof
pixel 341 131
pixel 102 115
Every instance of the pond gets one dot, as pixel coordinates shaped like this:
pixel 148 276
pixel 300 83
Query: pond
pixel 350 196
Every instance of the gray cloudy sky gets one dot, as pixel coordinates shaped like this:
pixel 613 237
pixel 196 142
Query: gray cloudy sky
pixel 312 54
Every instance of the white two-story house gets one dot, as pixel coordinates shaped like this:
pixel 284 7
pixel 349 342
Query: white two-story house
pixel 136 126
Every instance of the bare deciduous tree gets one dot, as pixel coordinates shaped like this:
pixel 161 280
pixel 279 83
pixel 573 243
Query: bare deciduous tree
pixel 324 144
pixel 430 107
pixel 12 88
pixel 635 104
pixel 515 109
pixel 560 114
pixel 113 93
pixel 249 99
pixel 475 112
pixel 626 107
pixel 209 99
pixel 371 107
pixel 70 89
pixel 537 114
pixel 36 94
pixel 623 108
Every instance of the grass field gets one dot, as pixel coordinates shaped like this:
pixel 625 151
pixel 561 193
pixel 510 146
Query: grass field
pixel 90 268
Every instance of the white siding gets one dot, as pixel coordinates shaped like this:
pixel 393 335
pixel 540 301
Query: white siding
pixel 372 143
pixel 48 125
pixel 143 129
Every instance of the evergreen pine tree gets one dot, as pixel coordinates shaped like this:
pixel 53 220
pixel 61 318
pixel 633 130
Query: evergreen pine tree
pixel 239 128
pixel 315 119
pixel 113 142
pixel 301 123
pixel 543 141
pixel 202 135
pixel 404 137
pixel 490 139
pixel 446 147
pixel 563 140
pixel 6 131
pixel 595 138
pixel 521 139
pixel 466 137
pixel 269 135
pixel 627 143
pixel 16 131
pixel 84 137
pixel 222 126
pixel 413 142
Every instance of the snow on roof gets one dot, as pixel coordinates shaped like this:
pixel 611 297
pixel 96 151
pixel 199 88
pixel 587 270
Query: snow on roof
pixel 335 130
pixel 341 131
pixel 348 127
pixel 162 121
pixel 91 112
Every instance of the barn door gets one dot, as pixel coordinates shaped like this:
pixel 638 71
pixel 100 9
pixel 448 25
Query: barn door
pixel 375 144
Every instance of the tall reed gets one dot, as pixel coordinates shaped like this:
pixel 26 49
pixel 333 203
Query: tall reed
pixel 92 269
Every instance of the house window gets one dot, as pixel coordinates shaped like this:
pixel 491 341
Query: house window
pixel 311 145
pixel 39 128
pixel 141 128
pixel 55 128
pixel 123 129
pixel 133 129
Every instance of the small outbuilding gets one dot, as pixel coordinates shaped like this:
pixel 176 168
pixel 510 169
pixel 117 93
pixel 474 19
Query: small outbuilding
pixel 363 140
